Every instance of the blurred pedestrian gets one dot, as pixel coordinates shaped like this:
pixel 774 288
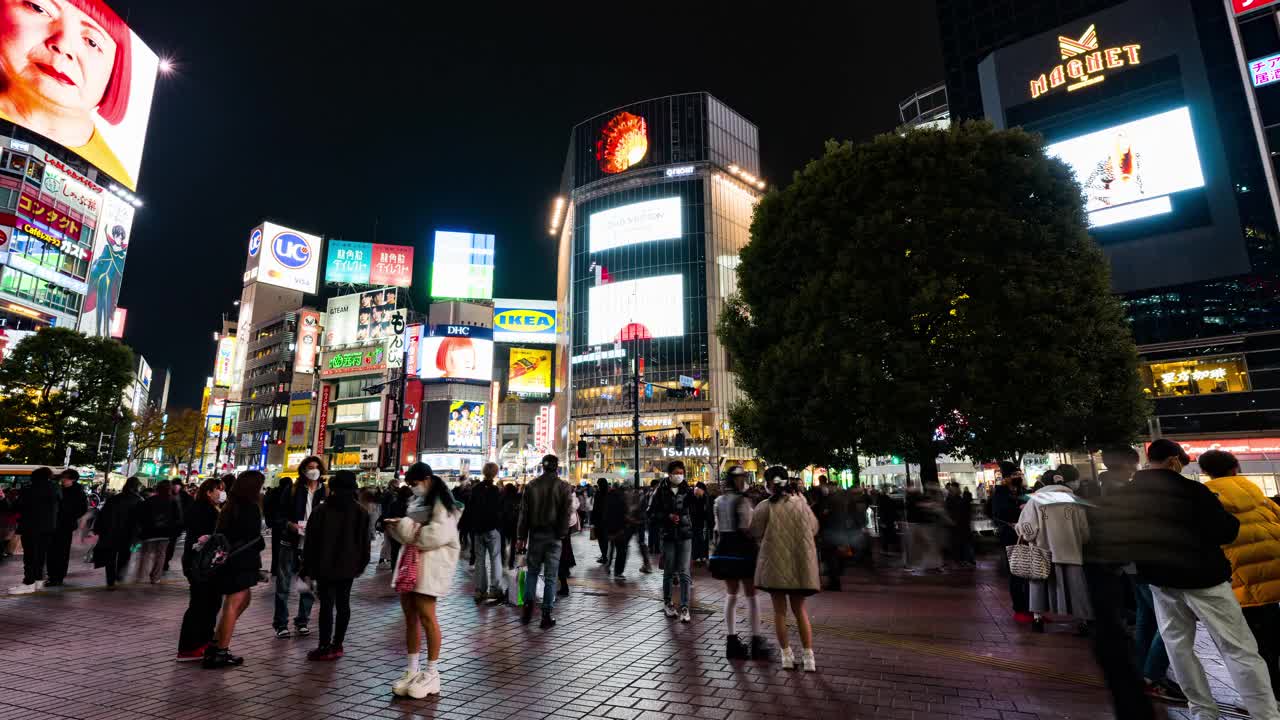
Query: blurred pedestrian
pixel 787 565
pixel 204 597
pixel 700 519
pixel 182 501
pixel 37 524
pixel 959 510
pixel 159 523
pixel 336 551
pixel 424 573
pixel 72 505
pixel 485 514
pixel 544 521
pixel 1055 520
pixel 1254 554
pixel 1007 501
pixel 567 559
pixel 599 505
pixel 241 524
pixel 296 508
pixel 669 517
pixel 734 561
pixel 117 528
pixel 510 516
pixel 274 504
pixel 830 506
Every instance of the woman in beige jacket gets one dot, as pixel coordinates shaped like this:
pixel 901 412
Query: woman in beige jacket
pixel 787 565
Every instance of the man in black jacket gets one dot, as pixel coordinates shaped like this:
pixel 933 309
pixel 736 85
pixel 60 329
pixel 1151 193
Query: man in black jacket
pixel 484 516
pixel 669 516
pixel 308 493
pixel 544 520
pixel 72 505
pixel 1186 526
pixel 37 520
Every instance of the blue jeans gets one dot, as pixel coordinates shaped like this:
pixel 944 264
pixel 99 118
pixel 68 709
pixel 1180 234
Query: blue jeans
pixel 488 561
pixel 1153 659
pixel 284 570
pixel 675 563
pixel 543 558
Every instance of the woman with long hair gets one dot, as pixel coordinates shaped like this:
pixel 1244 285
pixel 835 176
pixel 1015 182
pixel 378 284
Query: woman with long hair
pixel 734 562
pixel 336 551
pixel 205 598
pixel 241 524
pixel 787 567
pixel 429 535
pixel 117 528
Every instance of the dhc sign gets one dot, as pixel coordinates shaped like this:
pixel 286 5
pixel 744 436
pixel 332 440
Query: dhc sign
pixel 524 321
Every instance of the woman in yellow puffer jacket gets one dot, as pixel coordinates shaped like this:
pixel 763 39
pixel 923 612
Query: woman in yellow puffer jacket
pixel 1254 555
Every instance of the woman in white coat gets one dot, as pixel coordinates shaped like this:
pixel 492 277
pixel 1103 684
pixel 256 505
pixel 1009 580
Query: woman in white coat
pixel 1055 520
pixel 431 529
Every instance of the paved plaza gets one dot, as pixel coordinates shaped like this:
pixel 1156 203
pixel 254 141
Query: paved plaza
pixel 892 645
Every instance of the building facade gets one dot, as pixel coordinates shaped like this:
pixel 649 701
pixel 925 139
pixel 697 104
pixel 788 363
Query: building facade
pixel 656 205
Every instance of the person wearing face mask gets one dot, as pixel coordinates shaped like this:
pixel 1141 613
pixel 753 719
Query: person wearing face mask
pixel 307 495
pixel 669 511
pixel 205 598
pixel 734 561
pixel 1006 506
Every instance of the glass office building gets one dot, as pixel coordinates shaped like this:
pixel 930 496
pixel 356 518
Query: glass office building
pixel 659 201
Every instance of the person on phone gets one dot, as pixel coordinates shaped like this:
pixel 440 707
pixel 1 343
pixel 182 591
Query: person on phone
pixel 430 529
pixel 307 495
pixel 335 553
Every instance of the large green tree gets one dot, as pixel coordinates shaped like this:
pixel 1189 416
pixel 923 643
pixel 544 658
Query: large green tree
pixel 60 389
pixel 929 292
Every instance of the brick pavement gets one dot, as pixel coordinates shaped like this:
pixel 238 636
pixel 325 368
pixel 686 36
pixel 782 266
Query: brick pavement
pixel 891 646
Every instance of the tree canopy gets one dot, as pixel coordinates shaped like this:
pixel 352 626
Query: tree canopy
pixel 929 292
pixel 60 389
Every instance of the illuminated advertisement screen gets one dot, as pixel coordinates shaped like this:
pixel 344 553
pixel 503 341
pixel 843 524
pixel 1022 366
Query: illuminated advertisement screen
pixel 91 93
pixel 283 257
pixel 110 247
pixel 1129 171
pixel 641 309
pixel 524 321
pixel 456 353
pixel 347 262
pixel 640 222
pixel 360 317
pixel 463 265
pixel 529 372
pixel 467 422
pixel 223 362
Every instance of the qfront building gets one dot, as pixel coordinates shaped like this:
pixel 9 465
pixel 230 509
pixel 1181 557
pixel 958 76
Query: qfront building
pixel 656 204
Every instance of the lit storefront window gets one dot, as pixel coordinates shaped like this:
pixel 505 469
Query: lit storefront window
pixel 1197 376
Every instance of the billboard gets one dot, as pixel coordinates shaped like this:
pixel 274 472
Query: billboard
pixel 299 436
pixel 524 321
pixel 392 265
pixel 1130 171
pixel 643 309
pixel 467 421
pixel 529 372
pixel 224 361
pixel 355 361
pixel 641 222
pixel 304 357
pixel 117 322
pixel 360 317
pixel 463 265
pixel 1243 6
pixel 75 73
pixel 283 257
pixel 9 340
pixel 347 262
pixel 456 353
pixel 110 246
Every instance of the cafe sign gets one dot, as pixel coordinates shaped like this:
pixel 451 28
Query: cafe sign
pixel 1084 62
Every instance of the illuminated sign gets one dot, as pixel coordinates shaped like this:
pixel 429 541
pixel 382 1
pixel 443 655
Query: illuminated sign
pixel 623 142
pixel 524 321
pixel 347 262
pixel 392 265
pixel 680 171
pixel 72 188
pixel 1085 63
pixel 356 361
pixel 640 222
pixel 599 355
pixel 467 422
pixel 47 223
pixel 642 309
pixel 53 276
pixel 285 258
pixel 1265 71
pixel 304 357
pixel 701 451
pixel 463 265
pixel 456 353
pixel 1244 6
pixel 360 318
pixel 529 372
pixel 223 361
pixel 118 318
pixel 1235 446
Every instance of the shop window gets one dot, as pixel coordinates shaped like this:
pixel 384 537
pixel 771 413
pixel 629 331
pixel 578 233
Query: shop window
pixel 1195 376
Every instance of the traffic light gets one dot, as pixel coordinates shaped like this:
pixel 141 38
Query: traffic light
pixel 582 449
pixel 339 441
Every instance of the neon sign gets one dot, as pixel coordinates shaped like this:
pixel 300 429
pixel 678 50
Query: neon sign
pixel 1084 63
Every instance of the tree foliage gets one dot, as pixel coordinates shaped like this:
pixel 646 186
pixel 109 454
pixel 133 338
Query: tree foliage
pixel 924 293
pixel 182 439
pixel 60 389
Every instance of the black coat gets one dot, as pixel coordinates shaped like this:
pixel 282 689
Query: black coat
pixel 160 518
pixel 510 512
pixel 72 505
pixel 294 509
pixel 1171 526
pixel 38 508
pixel 1005 509
pixel 484 512
pixel 337 546
pixel 670 500
pixel 118 522
pixel 201 519
pixel 243 526
pixel 613 515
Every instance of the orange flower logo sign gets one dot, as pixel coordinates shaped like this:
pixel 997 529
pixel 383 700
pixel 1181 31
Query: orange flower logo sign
pixel 624 141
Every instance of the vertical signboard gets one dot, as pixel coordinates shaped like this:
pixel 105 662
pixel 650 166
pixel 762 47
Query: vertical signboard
pixel 223 362
pixel 413 342
pixel 322 419
pixel 304 358
pixel 111 244
pixel 296 447
pixel 412 410
pixel 117 322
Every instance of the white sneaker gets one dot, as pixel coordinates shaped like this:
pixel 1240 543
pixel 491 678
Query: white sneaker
pixel 810 664
pixel 401 687
pixel 426 683
pixel 685 616
pixel 36 586
pixel 670 610
pixel 788 659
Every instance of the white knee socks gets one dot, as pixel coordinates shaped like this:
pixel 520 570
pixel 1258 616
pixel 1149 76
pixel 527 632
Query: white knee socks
pixel 753 612
pixel 730 611
pixel 413 662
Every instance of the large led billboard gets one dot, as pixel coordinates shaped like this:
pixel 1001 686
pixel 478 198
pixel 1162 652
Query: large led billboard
pixel 360 317
pixel 462 266
pixel 640 222
pixel 358 263
pixel 456 353
pixel 1129 171
pixel 223 362
pixel 529 372
pixel 106 270
pixel 75 73
pixel 283 257
pixel 651 307
pixel 524 321
pixel 467 421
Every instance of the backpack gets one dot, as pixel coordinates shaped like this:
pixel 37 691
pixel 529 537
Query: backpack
pixel 212 553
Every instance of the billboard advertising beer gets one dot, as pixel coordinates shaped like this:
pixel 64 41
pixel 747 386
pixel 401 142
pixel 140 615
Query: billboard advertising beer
pixel 524 321
pixel 463 265
pixel 283 257
pixel 643 309
pixel 75 73
pixel 529 372
pixel 456 353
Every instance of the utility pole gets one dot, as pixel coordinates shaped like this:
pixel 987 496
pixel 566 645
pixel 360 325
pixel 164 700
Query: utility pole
pixel 637 370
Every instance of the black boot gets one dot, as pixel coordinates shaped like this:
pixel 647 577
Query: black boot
pixel 759 648
pixel 735 649
pixel 216 657
pixel 526 613
pixel 548 622
pixel 564 589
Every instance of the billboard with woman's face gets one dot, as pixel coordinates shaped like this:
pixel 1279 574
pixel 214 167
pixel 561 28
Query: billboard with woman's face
pixel 75 73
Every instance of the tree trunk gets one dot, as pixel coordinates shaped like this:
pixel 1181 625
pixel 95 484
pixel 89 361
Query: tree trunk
pixel 928 468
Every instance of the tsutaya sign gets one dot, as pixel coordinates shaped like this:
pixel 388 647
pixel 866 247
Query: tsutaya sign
pixel 1084 63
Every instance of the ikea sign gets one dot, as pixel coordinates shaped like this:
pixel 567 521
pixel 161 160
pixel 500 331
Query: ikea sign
pixel 524 321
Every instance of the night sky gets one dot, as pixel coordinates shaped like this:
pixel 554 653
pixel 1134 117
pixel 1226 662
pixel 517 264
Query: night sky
pixel 363 122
